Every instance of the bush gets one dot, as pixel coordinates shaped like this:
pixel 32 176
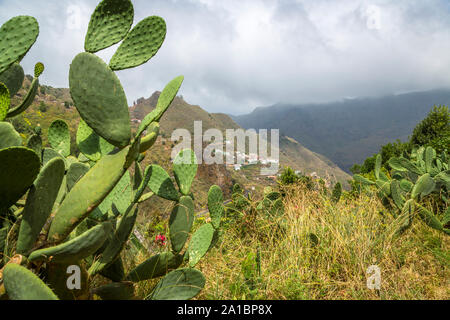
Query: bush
pixel 42 107
pixel 434 130
pixel 288 176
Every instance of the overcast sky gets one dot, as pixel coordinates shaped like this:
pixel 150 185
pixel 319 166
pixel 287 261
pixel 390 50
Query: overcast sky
pixel 240 54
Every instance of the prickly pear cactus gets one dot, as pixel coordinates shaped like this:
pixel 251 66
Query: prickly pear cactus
pixel 424 175
pixel 61 214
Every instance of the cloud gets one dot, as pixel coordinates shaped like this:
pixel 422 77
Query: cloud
pixel 240 54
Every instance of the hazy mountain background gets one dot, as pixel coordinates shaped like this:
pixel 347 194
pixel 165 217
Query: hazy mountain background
pixel 348 131
pixel 182 115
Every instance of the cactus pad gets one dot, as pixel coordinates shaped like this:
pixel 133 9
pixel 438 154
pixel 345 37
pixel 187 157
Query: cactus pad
pixel 29 98
pixel 91 144
pixel 200 243
pixel 423 187
pixel 76 249
pixel 38 69
pixel 100 99
pixel 59 137
pixel 115 291
pixel 161 184
pixel 39 204
pixel 149 140
pixel 22 284
pixel 76 171
pixel 114 247
pixel 87 194
pixel 13 78
pixel 35 143
pixel 17 36
pixel 18 168
pixel 406 216
pixel 429 218
pixel 182 284
pixel 154 267
pixel 110 23
pixel 180 223
pixel 185 169
pixel 5 101
pixel 48 154
pixel 215 205
pixel 120 196
pixel 165 99
pixel 10 137
pixel 141 44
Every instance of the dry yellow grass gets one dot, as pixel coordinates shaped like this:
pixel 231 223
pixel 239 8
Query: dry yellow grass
pixel 352 234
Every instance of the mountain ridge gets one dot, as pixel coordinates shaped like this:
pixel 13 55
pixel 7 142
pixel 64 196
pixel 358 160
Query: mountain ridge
pixel 348 131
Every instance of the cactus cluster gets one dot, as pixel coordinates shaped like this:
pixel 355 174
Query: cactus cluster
pixel 270 206
pixel 414 180
pixel 59 211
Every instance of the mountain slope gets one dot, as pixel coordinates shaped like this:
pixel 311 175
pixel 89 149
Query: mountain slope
pixel 182 115
pixel 349 131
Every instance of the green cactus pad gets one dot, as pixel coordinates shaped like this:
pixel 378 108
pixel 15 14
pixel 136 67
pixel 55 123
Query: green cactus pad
pixel 35 143
pixel 138 176
pixel 39 204
pixel 87 194
pixel 48 154
pixel 9 136
pixel 109 24
pixel 59 137
pixel 406 217
pixel 13 78
pixel 165 99
pixel 22 284
pixel 115 246
pixel 115 271
pixel 429 218
pixel 161 184
pixel 140 45
pixel 185 169
pixel 17 36
pixel 180 223
pixel 154 267
pixel 76 171
pixel 430 155
pixel 277 208
pixel 5 101
pixel 100 99
pixel 115 291
pixel 29 98
pixel 378 166
pixel 120 196
pixel 149 140
pixel 406 185
pixel 411 167
pixel 423 187
pixel 364 181
pixel 91 144
pixel 384 187
pixel 76 249
pixel 38 69
pixel 19 168
pixel 215 205
pixel 444 178
pixel 182 284
pixel 396 193
pixel 200 243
